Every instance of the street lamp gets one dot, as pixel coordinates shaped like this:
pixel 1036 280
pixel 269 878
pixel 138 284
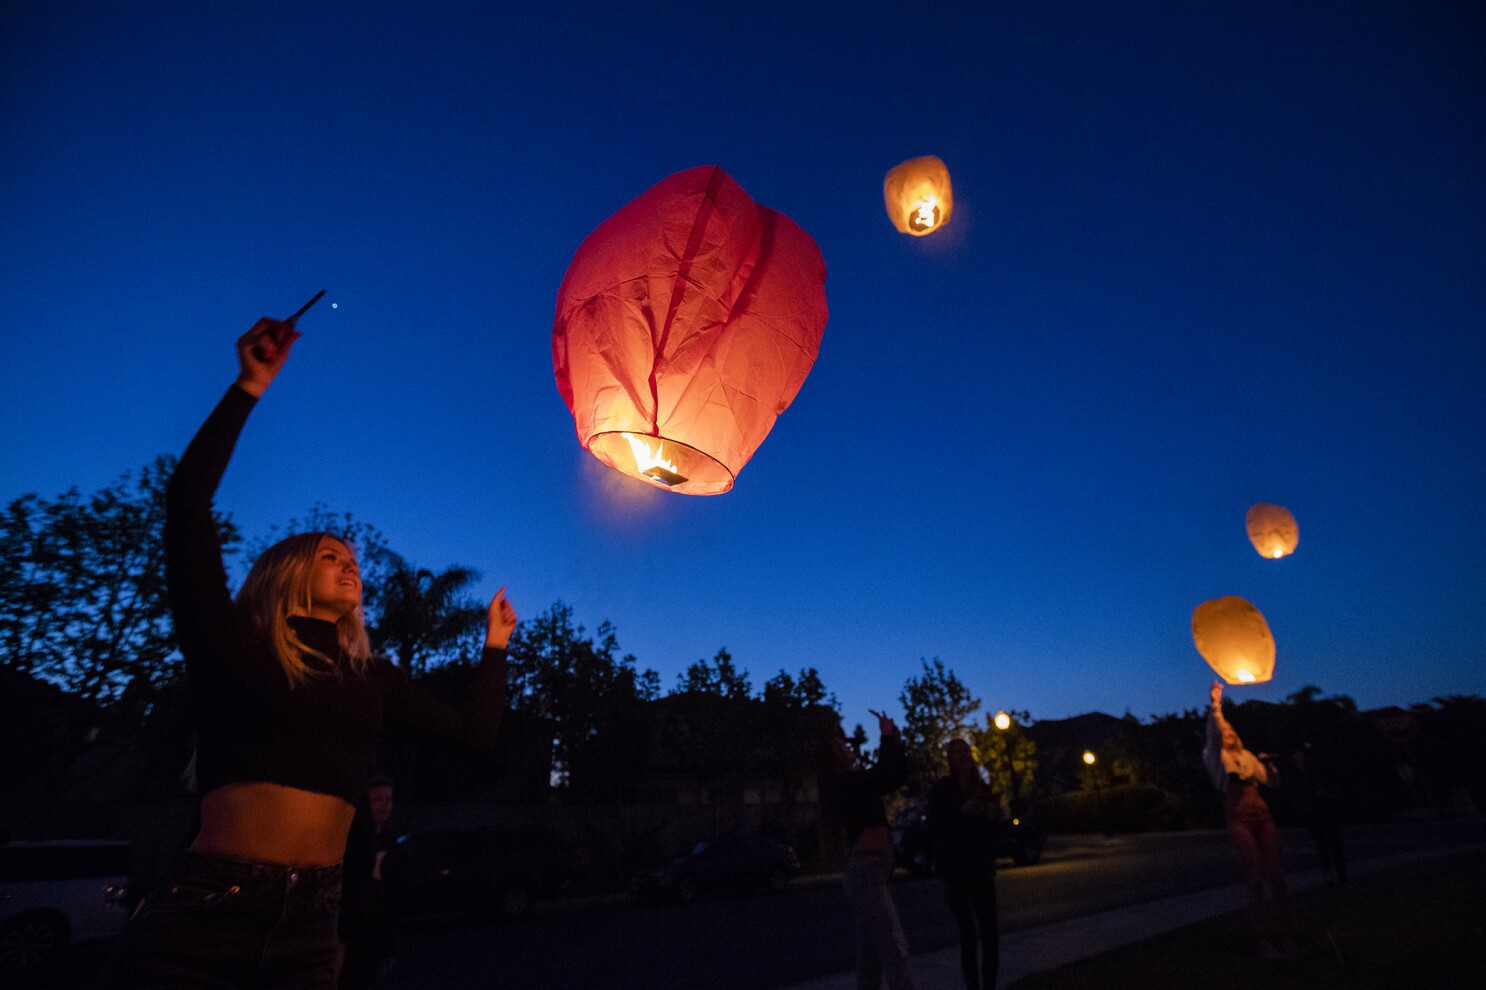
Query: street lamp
pixel 1002 722
pixel 1089 761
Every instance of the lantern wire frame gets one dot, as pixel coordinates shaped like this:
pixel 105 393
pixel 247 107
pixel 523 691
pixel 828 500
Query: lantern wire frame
pixel 698 472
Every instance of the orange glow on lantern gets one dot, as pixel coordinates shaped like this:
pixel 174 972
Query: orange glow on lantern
pixel 1234 639
pixel 1272 530
pixel 686 324
pixel 918 195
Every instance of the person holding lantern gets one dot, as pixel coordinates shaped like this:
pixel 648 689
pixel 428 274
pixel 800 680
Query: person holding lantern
pixel 1238 774
pixel 852 795
pixel 290 702
pixel 962 818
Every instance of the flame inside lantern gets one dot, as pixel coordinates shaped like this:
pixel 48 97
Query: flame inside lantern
pixel 925 215
pixel 654 464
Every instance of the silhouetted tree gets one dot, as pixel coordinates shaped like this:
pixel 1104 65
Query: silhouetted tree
pixel 82 589
pixel 721 677
pixel 1452 736
pixel 573 681
pixel 801 692
pixel 427 619
pixel 936 708
pixel 1009 756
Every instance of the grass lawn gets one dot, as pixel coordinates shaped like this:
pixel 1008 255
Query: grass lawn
pixel 1415 926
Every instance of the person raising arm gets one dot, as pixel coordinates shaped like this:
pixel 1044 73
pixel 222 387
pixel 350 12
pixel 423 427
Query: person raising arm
pixel 289 703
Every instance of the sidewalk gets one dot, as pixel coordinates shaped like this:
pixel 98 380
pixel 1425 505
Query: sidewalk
pixel 1034 950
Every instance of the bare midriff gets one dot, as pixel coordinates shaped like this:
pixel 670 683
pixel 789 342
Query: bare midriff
pixel 270 823
pixel 874 838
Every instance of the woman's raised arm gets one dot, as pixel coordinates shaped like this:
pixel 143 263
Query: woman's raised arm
pixel 261 353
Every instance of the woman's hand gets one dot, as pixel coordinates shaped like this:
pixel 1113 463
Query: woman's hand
pixel 885 726
pixel 1217 694
pixel 261 353
pixel 501 622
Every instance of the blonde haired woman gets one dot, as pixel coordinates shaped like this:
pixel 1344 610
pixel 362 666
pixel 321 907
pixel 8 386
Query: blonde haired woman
pixel 289 704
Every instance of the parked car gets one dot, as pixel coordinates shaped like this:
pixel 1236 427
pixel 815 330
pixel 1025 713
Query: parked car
pixel 1014 838
pixel 732 862
pixel 59 892
pixel 498 869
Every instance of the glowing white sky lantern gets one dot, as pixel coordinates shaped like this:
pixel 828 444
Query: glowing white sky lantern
pixel 918 195
pixel 1234 639
pixel 1272 530
pixel 685 325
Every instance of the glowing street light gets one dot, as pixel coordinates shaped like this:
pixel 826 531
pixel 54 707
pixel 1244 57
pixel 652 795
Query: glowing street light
pixel 1089 757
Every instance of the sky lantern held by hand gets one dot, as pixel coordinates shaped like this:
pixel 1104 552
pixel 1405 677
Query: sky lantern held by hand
pixel 918 195
pixel 1272 530
pixel 1234 639
pixel 686 323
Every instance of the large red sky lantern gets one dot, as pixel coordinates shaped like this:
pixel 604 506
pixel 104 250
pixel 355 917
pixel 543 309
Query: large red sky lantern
pixel 685 325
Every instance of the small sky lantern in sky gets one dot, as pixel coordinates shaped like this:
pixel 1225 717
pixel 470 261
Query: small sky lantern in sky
pixel 1272 530
pixel 918 195
pixel 686 323
pixel 1234 639
pixel 1003 721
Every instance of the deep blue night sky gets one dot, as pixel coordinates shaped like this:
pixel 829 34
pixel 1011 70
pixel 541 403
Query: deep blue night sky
pixel 1202 255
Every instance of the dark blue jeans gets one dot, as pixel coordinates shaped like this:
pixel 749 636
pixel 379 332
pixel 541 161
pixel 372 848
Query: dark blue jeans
pixel 220 923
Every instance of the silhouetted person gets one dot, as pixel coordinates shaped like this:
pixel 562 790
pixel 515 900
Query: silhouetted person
pixel 852 795
pixel 962 820
pixel 289 704
pixel 368 928
pixel 1238 774
pixel 1316 786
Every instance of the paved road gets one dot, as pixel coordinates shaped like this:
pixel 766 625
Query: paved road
pixel 754 943
pixel 761 942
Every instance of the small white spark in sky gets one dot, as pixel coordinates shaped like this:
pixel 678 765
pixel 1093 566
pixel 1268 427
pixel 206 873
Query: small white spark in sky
pixel 335 305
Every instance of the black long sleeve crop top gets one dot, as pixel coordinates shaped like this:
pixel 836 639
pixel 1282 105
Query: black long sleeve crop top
pixel 252 725
pixel 856 796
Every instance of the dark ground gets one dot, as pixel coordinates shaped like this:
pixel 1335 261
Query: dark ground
pixel 1413 927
